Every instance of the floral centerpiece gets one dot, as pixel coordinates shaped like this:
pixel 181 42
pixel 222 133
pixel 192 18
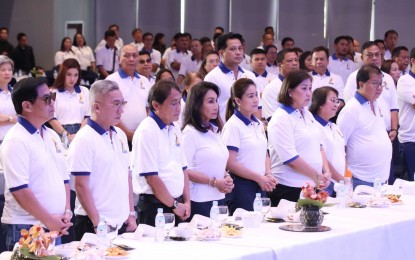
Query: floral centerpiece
pixel 35 243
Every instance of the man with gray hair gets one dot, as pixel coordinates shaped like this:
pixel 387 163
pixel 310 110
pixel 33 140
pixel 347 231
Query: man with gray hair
pixel 98 160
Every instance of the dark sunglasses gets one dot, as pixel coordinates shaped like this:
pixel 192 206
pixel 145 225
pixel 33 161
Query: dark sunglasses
pixel 144 61
pixel 47 98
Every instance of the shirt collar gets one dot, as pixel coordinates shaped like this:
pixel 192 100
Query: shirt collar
pixel 159 122
pixel 177 50
pixel 288 109
pixel 281 77
pixel 320 120
pixel 149 51
pixel 9 87
pixel 124 75
pixel 360 98
pixel 76 87
pixel 327 73
pixel 184 97
pixel 27 125
pixel 412 74
pixel 270 65
pixel 265 74
pixel 94 125
pixel 243 118
pixel 108 47
pixel 334 56
pixel 226 70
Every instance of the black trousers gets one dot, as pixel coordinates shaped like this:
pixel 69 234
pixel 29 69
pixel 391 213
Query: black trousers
pixel 147 209
pixel 83 224
pixel 284 192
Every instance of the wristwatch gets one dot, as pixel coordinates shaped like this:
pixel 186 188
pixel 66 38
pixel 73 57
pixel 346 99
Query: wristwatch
pixel 133 214
pixel 175 204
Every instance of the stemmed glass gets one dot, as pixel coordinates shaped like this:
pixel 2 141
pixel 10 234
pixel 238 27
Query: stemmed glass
pixel 112 233
pixel 169 222
pixel 223 214
pixel 266 205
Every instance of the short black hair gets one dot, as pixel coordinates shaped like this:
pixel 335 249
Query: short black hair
pixel 113 25
pixel 204 39
pixel 268 27
pixel 256 51
pixel 4 28
pixel 222 40
pixel 26 90
pixel 20 36
pixel 368 45
pixel 364 72
pixel 220 28
pixel 160 91
pixel 267 48
pixel 321 48
pixel 109 33
pixel 144 52
pixel 286 39
pixel 339 38
pixel 177 36
pixel 281 54
pixel 391 32
pixel 397 51
pixel 147 34
pixel 412 55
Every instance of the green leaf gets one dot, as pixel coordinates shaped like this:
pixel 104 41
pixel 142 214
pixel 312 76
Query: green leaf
pixel 310 202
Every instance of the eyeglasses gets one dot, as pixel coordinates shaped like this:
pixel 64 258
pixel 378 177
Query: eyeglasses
pixel 47 98
pixel 116 105
pixel 144 61
pixel 371 55
pixel 335 100
pixel 376 84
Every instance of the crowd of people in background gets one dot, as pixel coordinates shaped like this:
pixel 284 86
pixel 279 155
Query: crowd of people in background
pixel 148 125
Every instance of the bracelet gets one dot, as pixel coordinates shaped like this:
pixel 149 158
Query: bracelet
pixel 10 119
pixel 396 130
pixel 210 179
pixel 214 182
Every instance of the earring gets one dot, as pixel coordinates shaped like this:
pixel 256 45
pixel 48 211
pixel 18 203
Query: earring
pixel 289 94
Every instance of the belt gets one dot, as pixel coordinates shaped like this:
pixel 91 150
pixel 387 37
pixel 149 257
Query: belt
pixel 152 199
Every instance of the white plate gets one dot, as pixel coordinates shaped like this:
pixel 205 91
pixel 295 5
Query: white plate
pixel 233 236
pixel 117 257
pixel 210 239
pixel 378 205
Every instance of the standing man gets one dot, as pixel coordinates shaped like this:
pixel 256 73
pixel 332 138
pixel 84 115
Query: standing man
pixel 400 55
pixel 108 56
pixel 368 148
pixel 176 57
pixel 406 101
pixel 259 64
pixel 154 54
pixel 338 62
pixel 37 183
pixel 287 60
pixel 191 64
pixel 144 67
pixel 22 55
pixel 138 38
pixel 118 41
pixel 287 43
pixel 98 160
pixel 391 41
pixel 135 89
pixel 6 48
pixel 228 71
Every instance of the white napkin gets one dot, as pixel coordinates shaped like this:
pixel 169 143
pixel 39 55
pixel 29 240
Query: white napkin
pixel 145 230
pixel 408 187
pixel 363 190
pixel 238 213
pixel 199 220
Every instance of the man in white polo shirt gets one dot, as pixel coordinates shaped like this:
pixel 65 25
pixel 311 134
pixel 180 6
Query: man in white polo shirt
pixel 368 147
pixel 107 56
pixel 287 60
pixel 176 57
pixel 406 101
pixel 338 62
pixel 400 55
pixel 37 183
pixel 155 55
pixel 134 88
pixel 391 41
pixel 98 160
pixel 191 64
pixel 259 64
pixel 144 66
pixel 322 76
pixel 228 71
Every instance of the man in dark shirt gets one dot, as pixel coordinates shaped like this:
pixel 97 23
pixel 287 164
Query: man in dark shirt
pixel 22 55
pixel 5 47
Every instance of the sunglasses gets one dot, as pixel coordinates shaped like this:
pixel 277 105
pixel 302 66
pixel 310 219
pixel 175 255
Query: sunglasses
pixel 144 61
pixel 47 98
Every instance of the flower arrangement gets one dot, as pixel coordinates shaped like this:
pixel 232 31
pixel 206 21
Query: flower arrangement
pixel 36 241
pixel 313 196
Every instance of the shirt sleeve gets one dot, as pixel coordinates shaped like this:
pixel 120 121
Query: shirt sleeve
pixel 156 57
pixel 350 87
pixel 87 107
pixel 231 136
pixel 15 161
pixel 406 89
pixel 189 144
pixel 145 157
pixel 80 156
pixel 347 123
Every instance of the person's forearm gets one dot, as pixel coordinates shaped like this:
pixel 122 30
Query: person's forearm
pixel 56 125
pixel 198 177
pixel 93 66
pixel 186 189
pixel 300 166
pixel 180 79
pixel 160 190
pixel 127 132
pixel 334 173
pixel 394 120
pixel 243 172
pixel 84 196
pixel 130 191
pixel 68 196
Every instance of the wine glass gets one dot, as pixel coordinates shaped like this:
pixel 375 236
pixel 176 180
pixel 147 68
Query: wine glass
pixel 266 205
pixel 223 214
pixel 169 219
pixel 112 233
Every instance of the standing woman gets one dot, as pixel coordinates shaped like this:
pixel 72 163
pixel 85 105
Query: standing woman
pixel 64 53
pixel 210 61
pixel 244 136
pixel 392 68
pixel 86 58
pixel 7 113
pixel 204 149
pixel 190 80
pixel 295 142
pixel 324 106
pixel 157 158
pixel 72 101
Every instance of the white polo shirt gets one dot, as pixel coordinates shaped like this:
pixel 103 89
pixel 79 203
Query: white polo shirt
pixel 328 79
pixel 368 147
pixel 270 97
pixel 104 159
pixel 292 135
pixel 388 95
pixel 6 108
pixel 247 138
pixel 343 68
pixel 205 153
pixel 30 161
pixel 406 99
pixel 135 91
pixel 333 144
pixel 224 78
pixel 118 43
pixel 84 56
pixel 176 55
pixel 105 58
pixel 264 79
pixel 138 45
pixel 182 108
pixel 157 151
pixel 60 56
pixel 246 62
pixel 72 108
pixel 388 55
pixel 189 64
pixel 273 68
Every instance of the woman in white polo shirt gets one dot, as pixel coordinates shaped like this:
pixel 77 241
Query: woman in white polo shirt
pixel 204 149
pixel 295 143
pixel 157 158
pixel 245 139
pixel 324 106
pixel 72 101
pixel 7 113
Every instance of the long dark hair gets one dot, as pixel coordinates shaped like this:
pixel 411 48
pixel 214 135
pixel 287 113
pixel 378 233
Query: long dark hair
pixel 66 65
pixel 320 98
pixel 194 103
pixel 237 91
pixel 63 44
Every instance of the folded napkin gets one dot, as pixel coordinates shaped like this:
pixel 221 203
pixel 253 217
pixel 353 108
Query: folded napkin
pixel 199 220
pixel 238 213
pixel 145 230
